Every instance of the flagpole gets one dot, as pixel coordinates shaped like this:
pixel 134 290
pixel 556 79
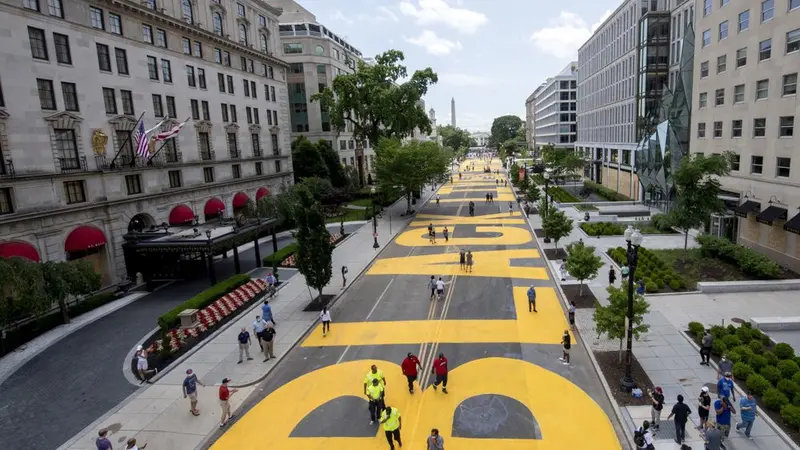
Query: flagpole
pixel 162 145
pixel 127 139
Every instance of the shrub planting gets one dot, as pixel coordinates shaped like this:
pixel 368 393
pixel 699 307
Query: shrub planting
pixel 788 368
pixel 757 384
pixel 562 196
pixel 749 261
pixel 788 387
pixel 790 414
pixel 605 192
pixel 774 399
pixel 783 351
pixel 771 373
pixel 201 300
pixel 742 371
pixel 656 274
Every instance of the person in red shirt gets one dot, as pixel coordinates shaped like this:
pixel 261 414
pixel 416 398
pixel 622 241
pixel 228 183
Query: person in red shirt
pixel 409 366
pixel 440 369
pixel 224 401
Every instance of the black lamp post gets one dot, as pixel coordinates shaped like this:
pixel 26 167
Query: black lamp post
pixel 546 176
pixel 375 244
pixel 634 240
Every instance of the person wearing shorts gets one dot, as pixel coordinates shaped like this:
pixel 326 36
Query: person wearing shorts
pixel 142 366
pixel 190 390
pixel 440 288
pixel 566 341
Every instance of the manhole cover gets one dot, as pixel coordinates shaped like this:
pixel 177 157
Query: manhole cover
pixel 737 320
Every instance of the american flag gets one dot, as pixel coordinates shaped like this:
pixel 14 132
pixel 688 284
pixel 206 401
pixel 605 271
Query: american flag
pixel 140 138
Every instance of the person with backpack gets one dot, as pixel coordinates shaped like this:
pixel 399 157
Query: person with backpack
pixel 643 437
pixel 268 341
pixel 657 396
pixel 681 412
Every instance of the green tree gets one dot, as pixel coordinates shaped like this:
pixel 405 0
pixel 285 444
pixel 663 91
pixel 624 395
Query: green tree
pixel 376 103
pixel 307 160
pixel 505 128
pixel 405 168
pixel 697 187
pixel 512 147
pixel 331 158
pixel 556 225
pixel 532 194
pixel 21 289
pixel 351 175
pixel 62 280
pixel 561 161
pixel 610 320
pixel 455 138
pixel 582 264
pixel 314 247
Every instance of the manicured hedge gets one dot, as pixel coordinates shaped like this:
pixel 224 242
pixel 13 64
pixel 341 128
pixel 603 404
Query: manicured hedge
pixel 277 258
pixel 605 192
pixel 772 375
pixel 562 196
pixel 170 319
pixel 749 261
pixel 603 229
pixel 657 275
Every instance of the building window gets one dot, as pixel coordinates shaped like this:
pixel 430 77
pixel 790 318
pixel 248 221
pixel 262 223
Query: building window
pixel 351 144
pixel 738 93
pixel 735 162
pixel 31 4
pixel 6 207
pixel 114 23
pixel 722 63
pixel 259 168
pixel 230 85
pixel 786 126
pixel 38 43
pixel 272 91
pixel 151 4
pixel 233 146
pixel 187 10
pixel 206 113
pixel 134 184
pixel 255 140
pixel 253 89
pixel 236 171
pixel 96 15
pixel 201 77
pixel 47 95
pixel 216 19
pixel 63 54
pixel 762 89
pixel 719 97
pixel 790 84
pixel 208 174
pixel 122 61
pixel 741 57
pixel 744 20
pixel 767 10
pixel 174 178
pixel 161 38
pixel 276 151
pixel 243 34
pixel 224 112
pixel 292 48
pixel 759 127
pixel 221 82
pixel 706 7
pixel 703 69
pixel 166 70
pixel 147 33
pixel 277 167
pixel 195 106
pixel 240 9
pixel 275 118
pixel 204 145
pixel 249 114
pixel 171 109
pixel 269 117
pixel 234 118
pixel 246 88
pixel 756 164
pixel 187 46
pixel 736 128
pixel 103 57
pixel 110 101
pixel 152 67
pixel 703 100
pixel 226 58
pixel 706 38
pixel 783 167
pixel 158 107
pixel 256 120
pixel 70 93
pixel 794 4
pixel 717 129
pixel 75 192
pixel 723 30
pixel 190 76
pixel 67 149
pixel 197 49
pixel 764 49
pixel 264 44
pixel 243 63
pixel 127 102
pixel 793 41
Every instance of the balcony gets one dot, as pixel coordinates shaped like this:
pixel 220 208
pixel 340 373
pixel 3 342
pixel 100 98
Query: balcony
pixel 235 153
pixel 257 153
pixel 7 169
pixel 276 152
pixel 207 155
pixel 173 158
pixel 70 165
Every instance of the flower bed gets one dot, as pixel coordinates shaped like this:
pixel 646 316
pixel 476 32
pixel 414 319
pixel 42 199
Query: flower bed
pixel 657 275
pixel 291 260
pixel 772 373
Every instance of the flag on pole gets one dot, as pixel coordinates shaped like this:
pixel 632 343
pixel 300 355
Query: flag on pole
pixel 140 139
pixel 171 133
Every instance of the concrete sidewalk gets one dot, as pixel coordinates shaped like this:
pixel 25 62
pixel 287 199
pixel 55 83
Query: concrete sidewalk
pixel 159 416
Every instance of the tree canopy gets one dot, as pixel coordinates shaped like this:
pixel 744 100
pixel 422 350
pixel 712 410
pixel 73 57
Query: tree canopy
pixel 562 161
pixel 314 248
pixel 456 138
pixel 582 264
pixel 504 128
pixel 405 168
pixel 307 160
pixel 610 320
pixel 336 172
pixel 375 103
pixel 556 225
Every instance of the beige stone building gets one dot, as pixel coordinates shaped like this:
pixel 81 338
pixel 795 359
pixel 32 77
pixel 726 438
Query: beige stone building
pixel 747 58
pixel 74 78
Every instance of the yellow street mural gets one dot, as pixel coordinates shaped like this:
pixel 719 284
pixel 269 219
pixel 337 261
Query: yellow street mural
pixel 423 220
pixel 418 237
pixel 493 264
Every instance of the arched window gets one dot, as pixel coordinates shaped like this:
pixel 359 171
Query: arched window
pixel 188 12
pixel 243 34
pixel 151 4
pixel 217 19
pixel 264 43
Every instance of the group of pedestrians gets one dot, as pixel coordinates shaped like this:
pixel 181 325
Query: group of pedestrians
pixel 264 332
pixel 466 260
pixel 432 233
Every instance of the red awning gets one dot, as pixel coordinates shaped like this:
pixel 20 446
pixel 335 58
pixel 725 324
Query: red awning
pixel 240 200
pixel 84 238
pixel 214 207
pixel 20 249
pixel 181 215
pixel 262 192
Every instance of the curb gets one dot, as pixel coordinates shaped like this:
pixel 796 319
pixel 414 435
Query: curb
pixel 617 411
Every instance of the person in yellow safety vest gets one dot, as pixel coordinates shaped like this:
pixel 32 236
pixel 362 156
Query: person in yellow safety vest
pixel 374 373
pixel 375 395
pixel 392 423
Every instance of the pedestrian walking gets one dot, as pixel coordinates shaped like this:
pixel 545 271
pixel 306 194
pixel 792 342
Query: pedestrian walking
pixel 430 229
pixel 705 348
pixel 747 412
pixel 571 315
pixel 131 445
pixel 643 437
pixel 225 401
pixel 272 283
pixel 624 272
pixel 681 413
pixel 374 373
pixel 440 370
pixel 392 422
pixel 268 341
pixel 491 198
pixel 612 276
pixel 142 365
pixel 344 276
pixel 190 390
pixel 375 396
pixel 258 330
pixel 566 342
pixel 725 387
pixel 562 270
pixel 471 208
pixel 244 344
pixel 437 199
pixel 703 406
pixel 725 366
pixel 409 367
pixel 487 197
pixel 724 410
pixel 657 399
pixel 462 259
pixel 496 182
pixel 505 183
pixel 102 441
pixel 435 441
pixel 446 234
pixel 432 287
pixel 510 209
pixel 470 261
pixel 266 312
pixel 440 288
pixel 712 437
pixel 532 299
pixel 433 236
pixel 641 289
pixel 325 317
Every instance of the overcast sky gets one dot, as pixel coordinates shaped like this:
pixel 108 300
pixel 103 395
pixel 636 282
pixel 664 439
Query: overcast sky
pixel 490 54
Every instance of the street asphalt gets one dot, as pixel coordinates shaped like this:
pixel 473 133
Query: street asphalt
pixel 69 385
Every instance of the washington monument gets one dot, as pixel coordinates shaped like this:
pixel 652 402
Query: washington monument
pixel 453 112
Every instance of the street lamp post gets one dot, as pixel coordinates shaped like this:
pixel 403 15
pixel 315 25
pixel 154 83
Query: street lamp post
pixel 634 240
pixel 546 176
pixel 375 244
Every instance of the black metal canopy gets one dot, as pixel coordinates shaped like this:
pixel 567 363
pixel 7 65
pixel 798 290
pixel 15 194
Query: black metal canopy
pixel 746 208
pixel 793 225
pixel 771 214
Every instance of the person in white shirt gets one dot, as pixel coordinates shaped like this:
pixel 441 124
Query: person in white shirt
pixel 647 435
pixel 325 317
pixel 440 288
